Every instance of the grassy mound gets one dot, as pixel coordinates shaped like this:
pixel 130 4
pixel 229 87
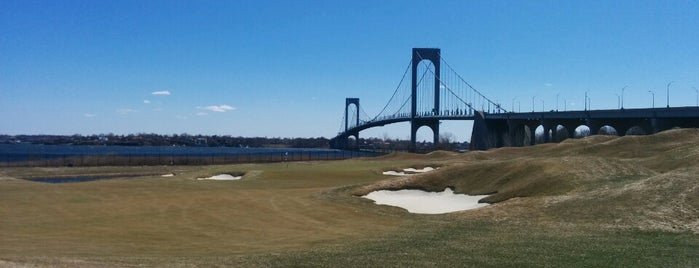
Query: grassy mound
pixel 647 182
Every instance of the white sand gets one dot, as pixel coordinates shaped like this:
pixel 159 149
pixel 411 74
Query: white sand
pixel 222 177
pixel 412 170
pixel 421 202
pixel 169 175
pixel 407 171
pixel 394 173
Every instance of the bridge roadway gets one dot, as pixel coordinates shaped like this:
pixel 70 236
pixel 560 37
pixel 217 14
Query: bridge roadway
pixel 516 129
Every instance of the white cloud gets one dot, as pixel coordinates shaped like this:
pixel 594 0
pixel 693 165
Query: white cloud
pixel 146 101
pixel 218 108
pixel 88 115
pixel 125 111
pixel 162 92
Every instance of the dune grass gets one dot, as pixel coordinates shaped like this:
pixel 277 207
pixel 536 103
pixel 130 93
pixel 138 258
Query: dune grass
pixel 595 202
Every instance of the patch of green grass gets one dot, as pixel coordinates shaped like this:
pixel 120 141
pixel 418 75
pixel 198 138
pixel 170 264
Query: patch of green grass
pixel 484 244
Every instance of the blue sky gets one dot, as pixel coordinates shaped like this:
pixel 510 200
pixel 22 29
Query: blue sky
pixel 284 68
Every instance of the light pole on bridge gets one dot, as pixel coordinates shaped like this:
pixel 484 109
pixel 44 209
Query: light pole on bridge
pixel 542 105
pixel 557 100
pixel 653 96
pixel 622 96
pixel 565 105
pixel 668 93
pixel 513 103
pixel 586 100
pixel 618 101
pixel 533 103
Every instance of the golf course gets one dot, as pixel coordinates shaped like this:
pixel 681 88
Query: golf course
pixel 599 201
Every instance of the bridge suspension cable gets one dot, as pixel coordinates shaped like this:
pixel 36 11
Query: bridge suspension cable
pixel 397 106
pixel 395 92
pixel 342 125
pixel 463 96
pixel 457 97
pixel 497 106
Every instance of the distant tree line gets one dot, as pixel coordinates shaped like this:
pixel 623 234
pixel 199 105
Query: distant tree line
pixel 447 141
pixel 150 139
pixel 145 139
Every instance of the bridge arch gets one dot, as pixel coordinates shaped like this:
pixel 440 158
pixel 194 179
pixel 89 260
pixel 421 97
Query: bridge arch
pixel 581 131
pixel 560 133
pixel 636 130
pixel 352 141
pixel 539 134
pixel 422 142
pixel 608 130
pixel 432 124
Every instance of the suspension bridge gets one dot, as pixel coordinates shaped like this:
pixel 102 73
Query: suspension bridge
pixel 437 92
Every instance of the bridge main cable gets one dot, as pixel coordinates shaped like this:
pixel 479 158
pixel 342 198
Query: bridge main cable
pixel 498 106
pixel 394 93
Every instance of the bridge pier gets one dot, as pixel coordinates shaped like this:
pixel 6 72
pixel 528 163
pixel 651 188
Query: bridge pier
pixel 593 125
pixel 547 131
pixel 416 124
pixel 488 134
pixel 342 141
pixel 521 132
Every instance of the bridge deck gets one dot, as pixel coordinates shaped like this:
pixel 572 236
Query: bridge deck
pixel 672 112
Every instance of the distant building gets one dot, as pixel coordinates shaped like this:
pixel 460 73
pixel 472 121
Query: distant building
pixel 200 142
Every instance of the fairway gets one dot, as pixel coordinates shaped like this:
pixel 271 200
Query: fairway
pixel 598 201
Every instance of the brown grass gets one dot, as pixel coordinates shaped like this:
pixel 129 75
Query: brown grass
pixel 589 191
pixel 647 182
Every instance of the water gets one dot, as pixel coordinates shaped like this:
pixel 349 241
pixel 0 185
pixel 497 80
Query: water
pixel 78 178
pixel 37 152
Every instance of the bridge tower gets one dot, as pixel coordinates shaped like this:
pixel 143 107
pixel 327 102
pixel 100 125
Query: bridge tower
pixel 433 55
pixel 348 102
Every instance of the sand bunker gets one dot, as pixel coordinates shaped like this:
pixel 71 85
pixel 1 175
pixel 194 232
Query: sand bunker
pixel 168 175
pixel 222 177
pixel 408 171
pixel 421 202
